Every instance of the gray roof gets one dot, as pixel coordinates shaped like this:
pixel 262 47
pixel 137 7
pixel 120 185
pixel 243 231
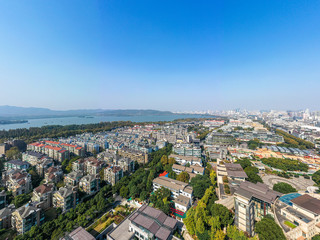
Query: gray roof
pixel 79 234
pixel 65 191
pixel 173 184
pixel 235 170
pixel 155 221
pixel 26 210
pixel 260 191
pixel 307 202
pixel 182 200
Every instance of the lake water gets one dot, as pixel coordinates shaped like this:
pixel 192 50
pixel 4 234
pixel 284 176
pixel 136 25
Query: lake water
pixel 96 119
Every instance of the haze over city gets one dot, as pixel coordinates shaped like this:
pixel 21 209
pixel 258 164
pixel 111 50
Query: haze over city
pixel 164 55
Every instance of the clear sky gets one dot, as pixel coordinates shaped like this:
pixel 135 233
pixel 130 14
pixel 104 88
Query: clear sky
pixel 166 55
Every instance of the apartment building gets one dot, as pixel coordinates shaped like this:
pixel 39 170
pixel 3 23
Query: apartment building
pixel 44 165
pixel 134 155
pixel 19 182
pixel 73 178
pixel 126 164
pixel 89 184
pixel 25 217
pixel 176 187
pixel 3 197
pixel 52 150
pixel 43 195
pixel 33 157
pixel 16 165
pixel 183 160
pixel 113 174
pixel 92 166
pixel 192 170
pixel 65 198
pixel 5 216
pixel 252 202
pixel 187 150
pixel 78 165
pixel 53 174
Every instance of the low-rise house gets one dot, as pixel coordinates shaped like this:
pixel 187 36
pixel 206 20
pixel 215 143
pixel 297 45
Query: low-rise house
pixel 65 198
pixel 43 195
pixel 19 182
pixel 113 174
pixel 16 165
pixel 73 178
pixel 25 217
pixel 89 184
pixel 5 217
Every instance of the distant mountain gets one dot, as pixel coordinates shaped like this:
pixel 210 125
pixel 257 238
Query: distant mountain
pixel 133 112
pixel 12 112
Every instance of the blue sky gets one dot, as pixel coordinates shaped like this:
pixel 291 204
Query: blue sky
pixel 166 55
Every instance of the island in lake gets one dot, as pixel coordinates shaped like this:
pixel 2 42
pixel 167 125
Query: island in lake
pixel 12 121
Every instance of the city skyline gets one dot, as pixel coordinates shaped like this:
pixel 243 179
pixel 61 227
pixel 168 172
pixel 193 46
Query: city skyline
pixel 165 56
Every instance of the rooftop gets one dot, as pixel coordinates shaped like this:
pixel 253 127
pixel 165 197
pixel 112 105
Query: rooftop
pixel 307 202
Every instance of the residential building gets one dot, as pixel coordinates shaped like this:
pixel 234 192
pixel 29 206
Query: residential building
pixel 134 155
pixel 78 234
pixel 187 150
pixel 73 178
pixel 78 165
pixel 43 165
pixel 192 170
pixel 3 197
pixel 303 211
pixel 43 195
pixel 89 184
pixel 25 217
pixel 183 160
pixel 65 198
pixel 5 216
pixel 145 223
pixel 176 187
pixel 19 182
pixel 53 174
pixel 92 165
pixel 252 202
pixel 113 174
pixel 16 165
pixel 126 164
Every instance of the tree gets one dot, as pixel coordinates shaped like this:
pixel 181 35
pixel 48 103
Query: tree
pixel 189 221
pixel 164 160
pixel 219 235
pixel 144 195
pixel 252 174
pixel 267 229
pixel 172 161
pixel 200 225
pixel 124 191
pixel 213 177
pixel 224 214
pixel 245 162
pixel 13 153
pixel 183 177
pixel 21 199
pixel 200 183
pixel 172 175
pixel 284 188
pixel 35 177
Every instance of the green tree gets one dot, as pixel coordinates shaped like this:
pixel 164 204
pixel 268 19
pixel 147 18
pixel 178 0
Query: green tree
pixel 21 199
pixel 13 153
pixel 124 191
pixel 252 173
pixel 164 160
pixel 183 177
pixel 224 214
pixel 284 188
pixel 267 229
pixel 219 235
pixel 213 177
pixel 200 183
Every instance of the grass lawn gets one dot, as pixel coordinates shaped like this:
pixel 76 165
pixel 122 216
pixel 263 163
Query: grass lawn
pixel 50 214
pixel 290 224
